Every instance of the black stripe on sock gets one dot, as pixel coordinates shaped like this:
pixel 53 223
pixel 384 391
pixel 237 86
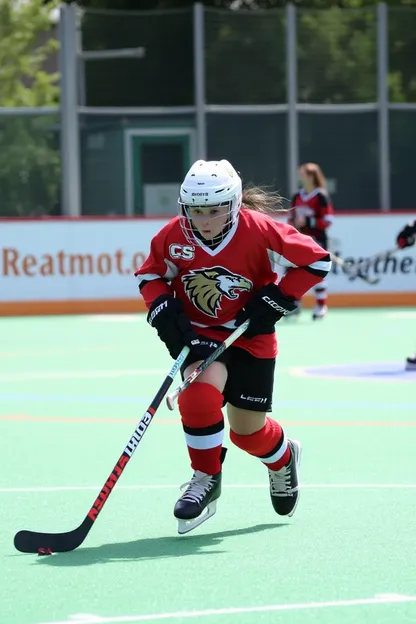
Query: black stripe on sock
pixel 204 431
pixel 274 450
pixel 320 272
pixel 316 272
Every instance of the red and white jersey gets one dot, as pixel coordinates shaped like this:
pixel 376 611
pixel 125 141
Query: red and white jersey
pixel 214 284
pixel 316 207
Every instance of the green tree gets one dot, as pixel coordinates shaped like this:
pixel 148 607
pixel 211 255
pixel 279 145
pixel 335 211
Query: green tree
pixel 24 48
pixel 337 55
pixel 29 149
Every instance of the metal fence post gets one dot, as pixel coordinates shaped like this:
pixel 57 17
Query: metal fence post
pixel 81 82
pixel 199 80
pixel 70 155
pixel 291 75
pixel 383 106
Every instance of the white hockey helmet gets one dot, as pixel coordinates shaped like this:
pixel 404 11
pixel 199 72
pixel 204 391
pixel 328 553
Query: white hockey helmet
pixel 209 183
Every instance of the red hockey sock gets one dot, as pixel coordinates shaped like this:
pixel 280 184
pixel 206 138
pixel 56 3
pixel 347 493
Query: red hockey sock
pixel 269 444
pixel 321 295
pixel 200 406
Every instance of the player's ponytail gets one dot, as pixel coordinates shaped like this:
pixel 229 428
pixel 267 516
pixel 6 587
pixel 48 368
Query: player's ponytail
pixel 256 198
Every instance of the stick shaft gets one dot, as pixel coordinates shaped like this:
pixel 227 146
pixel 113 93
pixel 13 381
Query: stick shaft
pixel 354 271
pixel 32 541
pixel 139 432
pixel 200 369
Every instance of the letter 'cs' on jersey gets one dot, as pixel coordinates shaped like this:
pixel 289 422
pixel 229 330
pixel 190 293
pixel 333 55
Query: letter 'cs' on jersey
pixel 209 183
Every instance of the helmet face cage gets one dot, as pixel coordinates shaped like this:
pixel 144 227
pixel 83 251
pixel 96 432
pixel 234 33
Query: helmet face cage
pixel 188 222
pixel 209 184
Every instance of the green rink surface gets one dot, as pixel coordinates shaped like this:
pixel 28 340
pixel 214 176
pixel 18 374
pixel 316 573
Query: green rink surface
pixel 72 390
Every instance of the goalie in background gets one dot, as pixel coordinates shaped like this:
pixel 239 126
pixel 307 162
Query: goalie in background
pixel 210 269
pixel 406 238
pixel 312 214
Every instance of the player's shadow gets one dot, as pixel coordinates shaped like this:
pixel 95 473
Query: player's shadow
pixel 150 548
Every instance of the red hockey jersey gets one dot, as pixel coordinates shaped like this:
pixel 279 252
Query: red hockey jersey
pixel 318 210
pixel 214 284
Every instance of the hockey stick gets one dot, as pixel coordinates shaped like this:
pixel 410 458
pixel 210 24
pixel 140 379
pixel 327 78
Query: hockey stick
pixel 355 271
pixel 349 271
pixel 48 543
pixel 171 398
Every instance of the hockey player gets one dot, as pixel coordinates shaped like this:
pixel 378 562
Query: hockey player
pixel 312 214
pixel 209 269
pixel 406 238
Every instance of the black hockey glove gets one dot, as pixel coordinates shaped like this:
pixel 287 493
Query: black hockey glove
pixel 407 236
pixel 264 310
pixel 174 328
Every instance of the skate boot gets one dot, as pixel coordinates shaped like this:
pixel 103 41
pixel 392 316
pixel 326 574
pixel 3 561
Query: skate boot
pixel 319 312
pixel 199 501
pixel 411 363
pixel 284 483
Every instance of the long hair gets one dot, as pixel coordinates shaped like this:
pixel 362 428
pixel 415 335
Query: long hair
pixel 314 170
pixel 257 198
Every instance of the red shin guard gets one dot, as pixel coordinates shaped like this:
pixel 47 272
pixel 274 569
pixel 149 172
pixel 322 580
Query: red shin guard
pixel 200 406
pixel 269 444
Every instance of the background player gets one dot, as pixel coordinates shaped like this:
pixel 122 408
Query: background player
pixel 209 269
pixel 406 238
pixel 312 214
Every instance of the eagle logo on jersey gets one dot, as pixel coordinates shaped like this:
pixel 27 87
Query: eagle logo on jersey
pixel 206 287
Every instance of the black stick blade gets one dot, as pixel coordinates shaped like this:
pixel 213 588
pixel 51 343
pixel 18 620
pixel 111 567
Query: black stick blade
pixel 31 541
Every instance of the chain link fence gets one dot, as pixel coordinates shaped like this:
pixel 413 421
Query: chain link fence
pixel 401 49
pixel 258 153
pixel 164 77
pixel 225 79
pixel 346 146
pixel 337 56
pixel 245 57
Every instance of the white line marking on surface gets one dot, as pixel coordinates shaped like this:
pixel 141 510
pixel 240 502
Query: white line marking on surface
pixel 408 314
pixel 84 617
pixel 377 600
